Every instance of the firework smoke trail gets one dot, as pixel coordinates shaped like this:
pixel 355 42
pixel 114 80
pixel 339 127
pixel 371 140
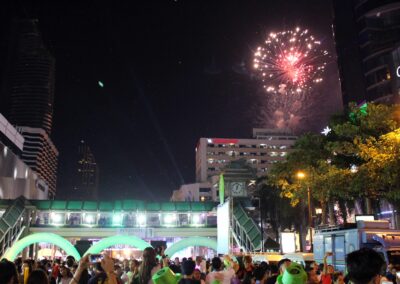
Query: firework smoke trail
pixel 290 64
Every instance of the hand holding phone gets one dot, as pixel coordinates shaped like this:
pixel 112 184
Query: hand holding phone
pixel 94 258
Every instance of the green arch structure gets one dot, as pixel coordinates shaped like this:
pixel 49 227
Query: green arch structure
pixel 118 240
pixel 50 238
pixel 191 242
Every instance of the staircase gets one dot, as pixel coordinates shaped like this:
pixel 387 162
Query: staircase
pixel 12 224
pixel 245 231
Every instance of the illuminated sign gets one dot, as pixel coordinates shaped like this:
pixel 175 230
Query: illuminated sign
pixel 398 71
pixel 288 242
pixel 223 141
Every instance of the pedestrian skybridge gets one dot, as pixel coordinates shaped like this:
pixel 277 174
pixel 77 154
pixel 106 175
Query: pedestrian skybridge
pixel 123 213
pixel 75 220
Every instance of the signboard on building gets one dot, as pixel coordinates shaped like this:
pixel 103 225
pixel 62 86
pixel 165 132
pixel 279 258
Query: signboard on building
pixel 143 233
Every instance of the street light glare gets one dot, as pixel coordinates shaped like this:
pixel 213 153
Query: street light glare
pixel 301 175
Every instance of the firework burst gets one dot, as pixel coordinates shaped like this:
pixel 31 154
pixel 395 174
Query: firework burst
pixel 290 62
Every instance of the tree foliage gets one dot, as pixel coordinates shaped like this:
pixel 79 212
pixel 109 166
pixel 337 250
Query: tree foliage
pixel 358 158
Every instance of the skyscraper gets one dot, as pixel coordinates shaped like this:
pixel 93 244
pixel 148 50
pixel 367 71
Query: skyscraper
pixel 30 78
pixel 366 33
pixel 87 173
pixel 28 92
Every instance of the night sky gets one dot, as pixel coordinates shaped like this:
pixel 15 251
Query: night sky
pixel 173 71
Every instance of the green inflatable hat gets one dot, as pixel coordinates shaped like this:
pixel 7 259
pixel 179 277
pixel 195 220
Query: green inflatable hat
pixel 166 276
pixel 294 274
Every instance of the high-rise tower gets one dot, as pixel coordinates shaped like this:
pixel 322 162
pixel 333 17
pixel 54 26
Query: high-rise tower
pixel 87 173
pixel 366 33
pixel 28 91
pixel 30 78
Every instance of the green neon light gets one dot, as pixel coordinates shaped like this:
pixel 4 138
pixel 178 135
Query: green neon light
pixel 363 110
pixel 49 238
pixel 191 242
pixel 118 240
pixel 221 189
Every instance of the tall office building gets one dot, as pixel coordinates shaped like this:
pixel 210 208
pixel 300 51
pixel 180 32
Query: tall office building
pixel 41 155
pixel 366 33
pixel 265 148
pixel 28 92
pixel 87 173
pixel 30 78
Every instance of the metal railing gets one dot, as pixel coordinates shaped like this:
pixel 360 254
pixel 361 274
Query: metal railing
pixel 245 231
pixel 12 224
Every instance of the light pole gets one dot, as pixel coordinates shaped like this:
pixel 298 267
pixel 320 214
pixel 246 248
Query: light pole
pixel 261 224
pixel 301 175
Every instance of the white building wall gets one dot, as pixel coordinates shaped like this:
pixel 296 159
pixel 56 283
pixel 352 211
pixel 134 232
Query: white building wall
pixel 194 192
pixel 268 147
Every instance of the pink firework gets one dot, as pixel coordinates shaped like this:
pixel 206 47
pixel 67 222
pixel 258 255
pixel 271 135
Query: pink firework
pixel 290 62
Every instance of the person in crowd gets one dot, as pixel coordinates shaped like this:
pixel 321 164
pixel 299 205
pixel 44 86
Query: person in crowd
pixel 327 271
pixel 134 269
pixel 118 272
pixel 38 276
pixel 176 261
pixel 200 264
pixel 364 266
pixel 175 268
pixel 124 277
pixel 338 277
pixel 197 275
pixel 218 274
pixel 391 273
pixel 187 271
pixel 8 272
pixel 65 275
pixel 18 264
pixel 248 269
pixel 55 271
pixel 274 274
pixel 260 274
pixel 148 267
pixel 99 274
pixel 282 265
pixel 312 276
pixel 70 261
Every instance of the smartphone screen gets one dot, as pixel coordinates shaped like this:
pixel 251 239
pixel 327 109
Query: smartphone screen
pixel 96 258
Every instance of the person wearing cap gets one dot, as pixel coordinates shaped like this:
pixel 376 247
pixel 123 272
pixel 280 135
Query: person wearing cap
pixel 294 274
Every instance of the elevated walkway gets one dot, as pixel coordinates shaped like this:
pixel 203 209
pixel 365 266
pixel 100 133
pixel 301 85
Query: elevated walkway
pixel 245 230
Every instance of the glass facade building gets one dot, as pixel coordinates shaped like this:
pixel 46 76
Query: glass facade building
pixel 366 33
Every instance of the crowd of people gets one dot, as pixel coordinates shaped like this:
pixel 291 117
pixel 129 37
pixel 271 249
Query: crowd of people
pixel 364 266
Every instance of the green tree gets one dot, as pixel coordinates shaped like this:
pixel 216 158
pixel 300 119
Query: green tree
pixel 382 165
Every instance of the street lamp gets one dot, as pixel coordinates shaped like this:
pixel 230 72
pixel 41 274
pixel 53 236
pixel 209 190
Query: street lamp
pixel 301 175
pixel 261 223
